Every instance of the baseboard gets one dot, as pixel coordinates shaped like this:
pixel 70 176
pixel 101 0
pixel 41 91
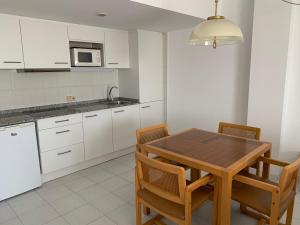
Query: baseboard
pixel 86 164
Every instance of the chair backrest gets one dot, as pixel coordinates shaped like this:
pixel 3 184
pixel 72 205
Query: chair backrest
pixel 150 134
pixel 288 179
pixel 162 179
pixel 239 130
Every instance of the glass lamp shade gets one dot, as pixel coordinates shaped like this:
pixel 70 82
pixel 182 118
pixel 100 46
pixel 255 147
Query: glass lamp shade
pixel 220 30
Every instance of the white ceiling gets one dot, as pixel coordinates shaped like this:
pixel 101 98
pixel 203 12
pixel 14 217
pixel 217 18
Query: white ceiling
pixel 123 14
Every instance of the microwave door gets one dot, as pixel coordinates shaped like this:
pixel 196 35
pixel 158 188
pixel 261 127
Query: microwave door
pixel 85 57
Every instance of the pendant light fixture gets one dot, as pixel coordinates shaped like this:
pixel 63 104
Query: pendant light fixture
pixel 215 31
pixel 293 2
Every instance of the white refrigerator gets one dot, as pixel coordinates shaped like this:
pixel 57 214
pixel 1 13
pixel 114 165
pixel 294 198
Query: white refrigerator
pixel 19 160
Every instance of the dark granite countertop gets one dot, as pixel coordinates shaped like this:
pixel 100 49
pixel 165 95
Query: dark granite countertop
pixel 17 116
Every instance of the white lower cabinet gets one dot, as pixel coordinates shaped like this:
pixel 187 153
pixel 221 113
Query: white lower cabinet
pixel 126 120
pixel 151 113
pixel 93 134
pixel 97 129
pixel 62 157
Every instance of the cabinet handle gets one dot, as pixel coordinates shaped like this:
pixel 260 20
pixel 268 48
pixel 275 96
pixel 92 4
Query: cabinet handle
pixel 61 63
pixel 91 116
pixel 145 107
pixel 64 131
pixel 12 62
pixel 62 121
pixel 13 134
pixel 66 152
pixel 113 63
pixel 119 111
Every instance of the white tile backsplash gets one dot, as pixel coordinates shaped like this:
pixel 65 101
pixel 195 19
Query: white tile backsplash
pixel 18 90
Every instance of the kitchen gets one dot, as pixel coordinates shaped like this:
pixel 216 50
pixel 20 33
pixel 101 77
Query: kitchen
pixel 69 133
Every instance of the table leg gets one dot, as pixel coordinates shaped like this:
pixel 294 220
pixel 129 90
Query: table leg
pixel 266 166
pixel 216 203
pixel 225 200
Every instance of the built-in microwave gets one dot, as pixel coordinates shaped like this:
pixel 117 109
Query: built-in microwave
pixel 84 57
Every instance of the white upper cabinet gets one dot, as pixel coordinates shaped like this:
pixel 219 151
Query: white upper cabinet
pixel 97 128
pixel 116 49
pixel 11 56
pixel 126 120
pixel 85 33
pixel 150 53
pixel 45 44
pixel 152 113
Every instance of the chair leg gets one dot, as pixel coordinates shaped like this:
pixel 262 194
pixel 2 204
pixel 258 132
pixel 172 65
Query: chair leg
pixel 289 216
pixel 188 209
pixel 261 222
pixel 195 174
pixel 138 212
pixel 243 208
pixel 258 169
pixel 146 210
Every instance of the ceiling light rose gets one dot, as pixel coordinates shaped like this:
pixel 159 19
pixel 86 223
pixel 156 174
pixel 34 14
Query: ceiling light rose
pixel 293 2
pixel 215 31
pixel 102 14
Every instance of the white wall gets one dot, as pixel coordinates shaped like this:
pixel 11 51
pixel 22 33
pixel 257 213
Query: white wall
pixel 290 133
pixel 205 86
pixel 202 9
pixel 270 40
pixel 18 90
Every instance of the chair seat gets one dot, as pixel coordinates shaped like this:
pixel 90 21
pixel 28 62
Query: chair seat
pixel 176 210
pixel 253 176
pixel 256 198
pixel 161 159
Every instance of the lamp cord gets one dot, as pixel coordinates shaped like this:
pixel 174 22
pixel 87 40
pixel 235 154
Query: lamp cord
pixel 216 9
pixel 216 14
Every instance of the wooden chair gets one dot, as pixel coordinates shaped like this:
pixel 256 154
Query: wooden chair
pixel 241 131
pixel 269 200
pixel 155 132
pixel 152 133
pixel 162 187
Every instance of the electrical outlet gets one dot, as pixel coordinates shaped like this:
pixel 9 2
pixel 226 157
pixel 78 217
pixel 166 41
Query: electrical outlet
pixel 70 98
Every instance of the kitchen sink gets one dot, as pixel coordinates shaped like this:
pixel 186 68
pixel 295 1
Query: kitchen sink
pixel 118 102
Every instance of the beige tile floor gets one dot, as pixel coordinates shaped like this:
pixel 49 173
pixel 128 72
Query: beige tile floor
pixel 100 195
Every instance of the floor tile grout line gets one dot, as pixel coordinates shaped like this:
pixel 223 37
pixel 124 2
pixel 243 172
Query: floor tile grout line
pixel 17 216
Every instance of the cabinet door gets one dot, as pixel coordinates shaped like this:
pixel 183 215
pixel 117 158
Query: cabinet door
pixel 151 113
pixel 97 128
pixel 116 49
pixel 11 56
pixel 45 44
pixel 150 66
pixel 126 120
pixel 85 33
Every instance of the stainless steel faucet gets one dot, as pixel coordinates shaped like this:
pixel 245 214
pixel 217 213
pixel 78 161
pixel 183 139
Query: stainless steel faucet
pixel 110 95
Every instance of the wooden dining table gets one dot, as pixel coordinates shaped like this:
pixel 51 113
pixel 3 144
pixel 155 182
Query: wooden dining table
pixel 222 155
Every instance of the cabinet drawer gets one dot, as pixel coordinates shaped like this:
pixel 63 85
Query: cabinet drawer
pixel 59 121
pixel 62 158
pixel 60 136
